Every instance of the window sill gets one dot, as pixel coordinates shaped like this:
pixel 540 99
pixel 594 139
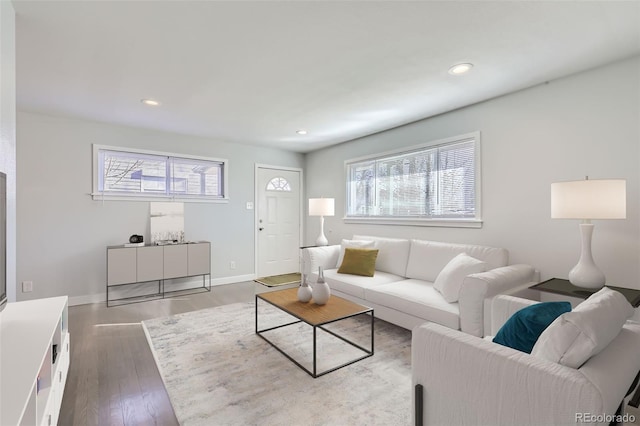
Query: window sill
pixel 443 223
pixel 105 197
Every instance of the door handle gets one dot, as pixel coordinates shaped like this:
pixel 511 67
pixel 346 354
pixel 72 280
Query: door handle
pixel 260 229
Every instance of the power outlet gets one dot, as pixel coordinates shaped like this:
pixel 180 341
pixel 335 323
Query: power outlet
pixel 27 286
pixel 232 265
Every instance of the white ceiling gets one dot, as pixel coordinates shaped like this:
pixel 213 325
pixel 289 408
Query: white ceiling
pixel 256 71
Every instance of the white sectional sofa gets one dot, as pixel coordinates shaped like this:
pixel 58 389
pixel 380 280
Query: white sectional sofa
pixel 402 288
pixel 517 388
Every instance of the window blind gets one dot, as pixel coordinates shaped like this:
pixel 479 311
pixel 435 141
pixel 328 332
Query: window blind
pixel 432 182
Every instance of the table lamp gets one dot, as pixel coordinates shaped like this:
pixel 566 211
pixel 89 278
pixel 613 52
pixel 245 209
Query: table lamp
pixel 586 200
pixel 321 207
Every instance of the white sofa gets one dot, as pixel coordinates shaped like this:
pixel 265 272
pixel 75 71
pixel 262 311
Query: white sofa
pixel 402 291
pixel 463 380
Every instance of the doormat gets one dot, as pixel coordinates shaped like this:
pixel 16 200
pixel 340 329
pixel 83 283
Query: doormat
pixel 277 280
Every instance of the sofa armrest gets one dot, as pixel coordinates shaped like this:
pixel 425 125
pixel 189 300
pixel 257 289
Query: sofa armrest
pixel 612 371
pixel 313 257
pixel 499 385
pixel 503 307
pixel 485 285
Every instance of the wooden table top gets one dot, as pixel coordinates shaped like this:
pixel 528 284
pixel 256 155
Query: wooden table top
pixel 335 309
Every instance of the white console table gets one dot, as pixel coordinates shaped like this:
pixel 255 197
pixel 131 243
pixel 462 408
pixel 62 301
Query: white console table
pixel 34 361
pixel 151 263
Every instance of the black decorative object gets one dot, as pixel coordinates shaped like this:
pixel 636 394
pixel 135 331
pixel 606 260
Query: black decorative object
pixel 136 239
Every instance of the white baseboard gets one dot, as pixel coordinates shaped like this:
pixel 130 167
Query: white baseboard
pixel 102 297
pixel 87 299
pixel 234 279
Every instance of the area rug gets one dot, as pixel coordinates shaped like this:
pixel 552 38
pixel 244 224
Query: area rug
pixel 277 280
pixel 217 371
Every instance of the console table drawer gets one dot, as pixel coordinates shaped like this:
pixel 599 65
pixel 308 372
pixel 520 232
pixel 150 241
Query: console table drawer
pixel 175 261
pixel 121 266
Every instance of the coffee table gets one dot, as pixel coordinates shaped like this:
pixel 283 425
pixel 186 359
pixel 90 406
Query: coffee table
pixel 317 316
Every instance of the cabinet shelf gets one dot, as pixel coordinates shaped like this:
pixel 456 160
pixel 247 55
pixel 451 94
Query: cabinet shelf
pixel 134 269
pixel 31 384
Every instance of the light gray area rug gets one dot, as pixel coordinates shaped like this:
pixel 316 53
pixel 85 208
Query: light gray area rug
pixel 217 371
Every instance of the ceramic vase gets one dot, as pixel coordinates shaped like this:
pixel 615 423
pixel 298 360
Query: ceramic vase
pixel 304 291
pixel 321 290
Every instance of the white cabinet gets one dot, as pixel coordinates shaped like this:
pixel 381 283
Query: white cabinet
pixel 199 259
pixel 135 265
pixel 149 263
pixel 121 266
pixel 34 361
pixel 175 261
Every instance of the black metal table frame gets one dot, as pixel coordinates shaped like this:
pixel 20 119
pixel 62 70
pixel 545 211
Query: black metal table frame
pixel 161 293
pixel 314 373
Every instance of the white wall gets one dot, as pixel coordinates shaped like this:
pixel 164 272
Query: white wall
pixel 8 132
pixel 586 124
pixel 63 233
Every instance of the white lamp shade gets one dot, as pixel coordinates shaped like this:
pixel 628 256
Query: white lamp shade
pixel 589 199
pixel 321 206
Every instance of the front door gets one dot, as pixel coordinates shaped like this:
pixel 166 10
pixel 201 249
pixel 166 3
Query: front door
pixel 278 217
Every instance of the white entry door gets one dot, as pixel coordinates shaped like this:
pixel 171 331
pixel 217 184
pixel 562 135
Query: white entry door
pixel 278 221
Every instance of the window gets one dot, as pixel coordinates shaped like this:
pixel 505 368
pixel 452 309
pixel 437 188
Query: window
pixel 432 184
pixel 126 174
pixel 278 184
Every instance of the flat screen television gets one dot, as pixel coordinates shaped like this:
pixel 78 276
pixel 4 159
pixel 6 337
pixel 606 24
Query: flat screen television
pixel 3 240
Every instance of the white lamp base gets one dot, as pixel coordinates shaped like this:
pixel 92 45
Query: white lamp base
pixel 322 240
pixel 586 274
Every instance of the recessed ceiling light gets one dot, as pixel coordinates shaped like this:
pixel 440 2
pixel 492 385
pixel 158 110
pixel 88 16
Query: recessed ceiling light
pixel 150 102
pixel 460 69
pixel 301 132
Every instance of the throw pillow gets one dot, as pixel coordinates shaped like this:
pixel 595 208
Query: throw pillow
pixel 359 262
pixel 449 280
pixel 578 335
pixel 522 330
pixel 353 244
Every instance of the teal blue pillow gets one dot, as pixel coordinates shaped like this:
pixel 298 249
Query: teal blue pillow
pixel 522 330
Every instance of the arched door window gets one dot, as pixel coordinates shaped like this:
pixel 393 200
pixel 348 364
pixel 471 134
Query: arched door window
pixel 278 184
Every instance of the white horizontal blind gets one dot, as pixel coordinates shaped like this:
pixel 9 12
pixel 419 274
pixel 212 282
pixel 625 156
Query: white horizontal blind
pixel 131 173
pixel 192 177
pixel 455 195
pixel 431 182
pixel 147 175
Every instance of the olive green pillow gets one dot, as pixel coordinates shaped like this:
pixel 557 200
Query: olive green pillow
pixel 359 261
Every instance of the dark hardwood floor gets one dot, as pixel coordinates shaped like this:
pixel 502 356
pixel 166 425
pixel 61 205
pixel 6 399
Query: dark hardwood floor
pixel 113 378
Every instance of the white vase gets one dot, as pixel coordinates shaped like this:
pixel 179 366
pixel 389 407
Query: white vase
pixel 304 291
pixel 321 290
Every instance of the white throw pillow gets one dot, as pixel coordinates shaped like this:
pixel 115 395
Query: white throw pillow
pixel 353 244
pixel 449 280
pixel 578 335
pixel 393 253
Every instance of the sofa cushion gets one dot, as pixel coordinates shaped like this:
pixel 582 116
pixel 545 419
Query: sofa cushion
pixel 576 336
pixel 353 244
pixel 450 279
pixel 522 329
pixel 428 258
pixel 359 262
pixel 393 255
pixel 356 285
pixel 417 298
pixel 314 257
